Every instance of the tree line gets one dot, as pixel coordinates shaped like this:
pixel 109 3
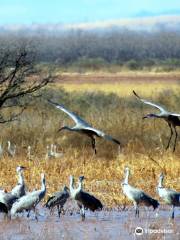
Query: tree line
pixel 111 46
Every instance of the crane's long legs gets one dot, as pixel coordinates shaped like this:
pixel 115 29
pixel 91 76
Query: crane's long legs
pixel 59 210
pixel 82 212
pixel 172 216
pixel 136 210
pixel 93 144
pixel 170 136
pixel 176 134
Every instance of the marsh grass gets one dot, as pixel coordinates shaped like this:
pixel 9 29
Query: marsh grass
pixel 143 142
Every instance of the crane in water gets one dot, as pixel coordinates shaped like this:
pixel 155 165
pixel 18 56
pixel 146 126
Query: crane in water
pixel 58 199
pixel 169 196
pixel 83 199
pixel 30 200
pixel 171 118
pixel 83 127
pixel 136 195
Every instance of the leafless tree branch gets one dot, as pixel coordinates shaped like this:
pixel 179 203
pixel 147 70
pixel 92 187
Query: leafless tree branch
pixel 19 77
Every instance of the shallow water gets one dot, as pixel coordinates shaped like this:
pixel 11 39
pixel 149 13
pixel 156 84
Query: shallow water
pixel 114 225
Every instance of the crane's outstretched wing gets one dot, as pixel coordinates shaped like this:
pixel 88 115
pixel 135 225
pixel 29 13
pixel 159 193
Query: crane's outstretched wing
pixel 74 116
pixel 103 135
pixel 150 103
pixel 175 114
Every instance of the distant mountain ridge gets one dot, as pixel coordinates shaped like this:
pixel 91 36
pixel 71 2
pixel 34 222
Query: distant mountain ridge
pixel 151 23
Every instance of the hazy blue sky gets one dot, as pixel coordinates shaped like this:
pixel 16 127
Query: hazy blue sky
pixel 70 11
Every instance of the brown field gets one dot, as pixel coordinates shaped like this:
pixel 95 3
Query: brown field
pixel 107 103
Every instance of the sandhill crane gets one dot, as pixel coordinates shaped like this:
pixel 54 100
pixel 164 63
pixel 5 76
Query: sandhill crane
pixel 171 118
pixel 19 189
pixel 29 156
pixel 30 200
pixel 169 196
pixel 83 127
pixel 1 150
pixel 58 199
pixel 136 195
pixel 11 149
pixel 50 152
pixel 83 199
pixel 57 154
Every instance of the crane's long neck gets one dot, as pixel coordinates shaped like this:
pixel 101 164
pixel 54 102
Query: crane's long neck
pixel 71 184
pixel 160 183
pixel 80 186
pixel 52 149
pixel 20 178
pixel 43 185
pixel 66 128
pixel 9 145
pixel 126 177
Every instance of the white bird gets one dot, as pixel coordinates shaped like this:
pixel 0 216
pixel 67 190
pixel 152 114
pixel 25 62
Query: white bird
pixel 30 200
pixel 29 156
pixel 171 118
pixel 169 196
pixel 136 195
pixel 83 127
pixel 11 149
pixel 84 199
pixel 1 150
pixel 19 189
pixel 50 152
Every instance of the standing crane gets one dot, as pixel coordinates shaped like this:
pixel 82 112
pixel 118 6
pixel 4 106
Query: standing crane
pixel 169 196
pixel 19 189
pixel 83 127
pixel 50 152
pixel 57 154
pixel 58 199
pixel 171 118
pixel 11 149
pixel 136 195
pixel 30 200
pixel 1 150
pixel 84 199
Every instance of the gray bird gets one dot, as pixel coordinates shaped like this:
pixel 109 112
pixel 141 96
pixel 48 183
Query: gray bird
pixel 7 198
pixel 83 127
pixel 30 200
pixel 169 196
pixel 171 118
pixel 84 199
pixel 58 199
pixel 19 189
pixel 136 195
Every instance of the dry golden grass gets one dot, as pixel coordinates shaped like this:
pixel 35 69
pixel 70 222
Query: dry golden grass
pixel 119 114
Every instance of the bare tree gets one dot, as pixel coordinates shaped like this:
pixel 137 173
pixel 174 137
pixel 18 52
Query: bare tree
pixel 19 78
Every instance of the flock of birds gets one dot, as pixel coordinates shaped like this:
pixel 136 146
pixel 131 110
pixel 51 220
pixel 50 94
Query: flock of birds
pixel 19 200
